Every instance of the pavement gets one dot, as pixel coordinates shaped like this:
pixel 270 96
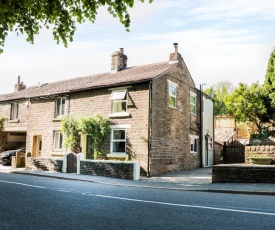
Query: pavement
pixel 190 180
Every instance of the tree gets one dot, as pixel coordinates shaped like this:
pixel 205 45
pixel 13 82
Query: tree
pixel 269 88
pixel 28 16
pixel 269 83
pixel 219 92
pixel 247 104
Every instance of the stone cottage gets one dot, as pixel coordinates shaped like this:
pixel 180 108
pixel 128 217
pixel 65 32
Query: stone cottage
pixel 154 110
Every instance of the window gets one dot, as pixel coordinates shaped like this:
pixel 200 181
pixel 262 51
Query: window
pixel 14 111
pixel 118 141
pixel 58 140
pixel 193 102
pixel 60 106
pixel 172 94
pixel 194 144
pixel 119 101
pixel 210 143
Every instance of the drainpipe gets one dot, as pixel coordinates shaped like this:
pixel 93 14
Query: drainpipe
pixel 149 128
pixel 214 156
pixel 201 124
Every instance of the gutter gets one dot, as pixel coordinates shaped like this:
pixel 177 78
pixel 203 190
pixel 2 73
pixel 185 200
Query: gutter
pixel 49 95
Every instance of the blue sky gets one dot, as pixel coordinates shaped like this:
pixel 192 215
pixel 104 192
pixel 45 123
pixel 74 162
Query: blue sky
pixel 219 40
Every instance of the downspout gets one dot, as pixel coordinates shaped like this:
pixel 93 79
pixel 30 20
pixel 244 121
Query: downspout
pixel 149 128
pixel 201 125
pixel 214 156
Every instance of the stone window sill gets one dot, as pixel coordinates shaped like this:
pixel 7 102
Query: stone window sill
pixel 117 155
pixel 115 115
pixel 14 121
pixel 57 119
pixel 57 154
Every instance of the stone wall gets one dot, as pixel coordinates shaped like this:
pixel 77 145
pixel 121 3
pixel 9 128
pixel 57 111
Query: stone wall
pixel 243 173
pixel 114 169
pixel 259 149
pixel 46 164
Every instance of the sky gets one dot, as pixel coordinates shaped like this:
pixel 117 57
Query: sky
pixel 219 40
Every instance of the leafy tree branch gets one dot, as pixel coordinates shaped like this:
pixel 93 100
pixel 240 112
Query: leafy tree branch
pixel 29 16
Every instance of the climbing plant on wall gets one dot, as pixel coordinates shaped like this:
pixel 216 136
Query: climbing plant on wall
pixel 98 127
pixel 70 131
pixel 2 119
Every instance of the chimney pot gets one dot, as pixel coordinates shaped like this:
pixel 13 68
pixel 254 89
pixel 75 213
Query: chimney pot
pixel 176 47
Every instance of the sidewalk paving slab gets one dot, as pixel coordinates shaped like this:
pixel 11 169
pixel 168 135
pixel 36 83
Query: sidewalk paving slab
pixel 190 180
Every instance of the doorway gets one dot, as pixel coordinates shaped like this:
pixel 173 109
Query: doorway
pixel 37 146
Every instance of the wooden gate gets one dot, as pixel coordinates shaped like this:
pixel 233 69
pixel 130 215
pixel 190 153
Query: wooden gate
pixel 72 163
pixel 233 152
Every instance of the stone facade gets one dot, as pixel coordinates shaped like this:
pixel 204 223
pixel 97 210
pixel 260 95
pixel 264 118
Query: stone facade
pixel 157 135
pixel 15 126
pixel 171 127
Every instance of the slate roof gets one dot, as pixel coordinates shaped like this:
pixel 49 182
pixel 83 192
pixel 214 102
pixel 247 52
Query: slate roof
pixel 129 75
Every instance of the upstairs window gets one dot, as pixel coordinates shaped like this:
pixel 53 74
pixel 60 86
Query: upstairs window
pixel 60 106
pixel 58 140
pixel 118 141
pixel 193 103
pixel 14 110
pixel 172 88
pixel 119 101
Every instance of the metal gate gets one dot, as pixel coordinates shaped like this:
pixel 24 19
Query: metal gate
pixel 72 163
pixel 233 152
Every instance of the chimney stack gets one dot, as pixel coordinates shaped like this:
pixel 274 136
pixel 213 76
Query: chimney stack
pixel 119 61
pixel 19 86
pixel 175 57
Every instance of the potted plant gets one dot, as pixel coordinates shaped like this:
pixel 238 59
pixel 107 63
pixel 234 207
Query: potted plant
pixel 259 158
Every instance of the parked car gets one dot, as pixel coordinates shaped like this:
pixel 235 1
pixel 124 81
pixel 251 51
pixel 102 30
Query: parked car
pixel 5 157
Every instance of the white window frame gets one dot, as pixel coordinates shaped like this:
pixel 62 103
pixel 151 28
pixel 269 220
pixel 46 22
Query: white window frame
pixel 14 110
pixel 119 96
pixel 194 144
pixel 173 85
pixel 57 139
pixel 59 105
pixel 210 143
pixel 117 140
pixel 193 104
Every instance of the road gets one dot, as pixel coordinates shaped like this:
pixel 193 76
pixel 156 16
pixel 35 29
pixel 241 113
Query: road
pixel 30 202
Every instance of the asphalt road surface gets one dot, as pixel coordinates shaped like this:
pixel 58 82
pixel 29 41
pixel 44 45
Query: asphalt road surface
pixel 30 202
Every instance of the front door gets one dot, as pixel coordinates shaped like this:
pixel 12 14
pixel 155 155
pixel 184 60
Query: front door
pixel 37 146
